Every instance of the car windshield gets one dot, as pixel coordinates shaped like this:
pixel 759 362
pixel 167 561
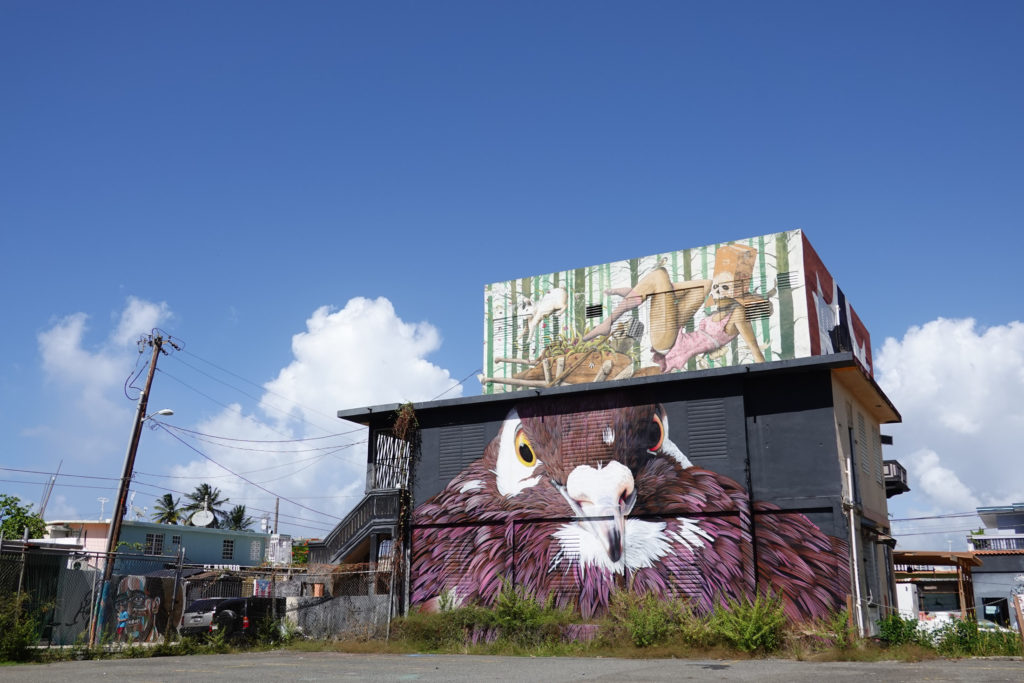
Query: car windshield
pixel 207 605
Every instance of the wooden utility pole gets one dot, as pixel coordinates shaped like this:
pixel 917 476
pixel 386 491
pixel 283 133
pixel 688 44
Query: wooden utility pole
pixel 157 341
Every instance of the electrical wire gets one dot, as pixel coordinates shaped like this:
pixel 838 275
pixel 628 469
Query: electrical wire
pixel 463 381
pixel 289 519
pixel 227 438
pixel 259 386
pixel 949 515
pixel 248 481
pixel 232 409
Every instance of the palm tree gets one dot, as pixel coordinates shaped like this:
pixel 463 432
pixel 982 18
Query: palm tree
pixel 206 497
pixel 167 510
pixel 237 519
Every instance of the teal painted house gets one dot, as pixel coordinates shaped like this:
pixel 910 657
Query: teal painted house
pixel 202 545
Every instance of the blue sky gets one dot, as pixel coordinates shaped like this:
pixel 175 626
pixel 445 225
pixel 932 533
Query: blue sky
pixel 226 170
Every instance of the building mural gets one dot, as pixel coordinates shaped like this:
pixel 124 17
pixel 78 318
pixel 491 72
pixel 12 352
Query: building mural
pixel 139 613
pixel 741 302
pixel 578 496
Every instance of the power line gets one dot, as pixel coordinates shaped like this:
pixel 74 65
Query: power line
pixel 930 533
pixel 227 438
pixel 210 398
pixel 259 386
pixel 949 515
pixel 461 382
pixel 248 481
pixel 269 512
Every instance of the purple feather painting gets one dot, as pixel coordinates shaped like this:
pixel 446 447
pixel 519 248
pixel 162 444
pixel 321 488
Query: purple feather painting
pixel 574 500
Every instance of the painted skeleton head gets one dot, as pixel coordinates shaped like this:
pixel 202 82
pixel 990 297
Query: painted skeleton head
pixel 723 285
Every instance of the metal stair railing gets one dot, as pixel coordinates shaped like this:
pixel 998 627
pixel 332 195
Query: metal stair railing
pixel 379 507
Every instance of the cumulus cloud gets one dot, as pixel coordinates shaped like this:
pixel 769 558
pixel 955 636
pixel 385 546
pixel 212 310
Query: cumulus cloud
pixel 68 361
pixel 88 377
pixel 362 354
pixel 959 389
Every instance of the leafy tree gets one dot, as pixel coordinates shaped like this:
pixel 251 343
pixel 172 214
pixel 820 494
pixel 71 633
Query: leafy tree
pixel 167 510
pixel 206 497
pixel 15 518
pixel 237 520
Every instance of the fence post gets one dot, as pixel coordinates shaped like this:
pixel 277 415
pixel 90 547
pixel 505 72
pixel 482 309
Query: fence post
pixel 174 594
pixel 21 572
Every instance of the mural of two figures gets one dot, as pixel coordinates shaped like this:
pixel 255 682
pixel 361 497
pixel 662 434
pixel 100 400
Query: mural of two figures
pixel 659 324
pixel 749 301
pixel 578 497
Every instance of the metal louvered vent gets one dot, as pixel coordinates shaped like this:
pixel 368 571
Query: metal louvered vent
pixel 758 310
pixel 785 280
pixel 706 436
pixel 459 445
pixel 595 310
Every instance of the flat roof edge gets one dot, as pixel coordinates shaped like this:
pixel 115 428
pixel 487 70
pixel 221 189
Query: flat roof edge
pixel 367 414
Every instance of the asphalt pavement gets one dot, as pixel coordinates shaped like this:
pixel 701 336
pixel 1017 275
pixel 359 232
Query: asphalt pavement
pixel 331 666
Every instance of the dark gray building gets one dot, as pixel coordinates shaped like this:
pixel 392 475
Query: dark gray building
pixel 706 485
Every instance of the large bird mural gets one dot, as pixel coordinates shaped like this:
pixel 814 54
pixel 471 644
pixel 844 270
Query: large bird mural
pixel 574 501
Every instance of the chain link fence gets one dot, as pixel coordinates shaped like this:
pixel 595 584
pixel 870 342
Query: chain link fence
pixel 147 595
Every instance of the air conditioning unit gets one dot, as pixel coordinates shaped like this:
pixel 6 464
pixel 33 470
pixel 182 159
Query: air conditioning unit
pixel 78 562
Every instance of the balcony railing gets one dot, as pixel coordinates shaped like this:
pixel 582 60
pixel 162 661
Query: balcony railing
pixel 997 543
pixel 895 478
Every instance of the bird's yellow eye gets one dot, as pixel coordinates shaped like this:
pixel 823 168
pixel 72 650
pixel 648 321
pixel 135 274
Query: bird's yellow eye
pixel 658 433
pixel 524 451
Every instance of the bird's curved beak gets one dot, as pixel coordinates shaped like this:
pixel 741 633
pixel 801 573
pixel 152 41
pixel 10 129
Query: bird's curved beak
pixel 602 498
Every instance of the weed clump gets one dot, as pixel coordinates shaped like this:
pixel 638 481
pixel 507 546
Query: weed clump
pixel 755 625
pixel 19 630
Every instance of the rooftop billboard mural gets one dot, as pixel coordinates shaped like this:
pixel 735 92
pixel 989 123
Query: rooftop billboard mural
pixel 749 301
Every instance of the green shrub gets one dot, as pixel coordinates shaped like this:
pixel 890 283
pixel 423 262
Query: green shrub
pixel 895 630
pixel 840 630
pixel 756 625
pixel 19 630
pixel 647 619
pixel 523 621
pixel 963 638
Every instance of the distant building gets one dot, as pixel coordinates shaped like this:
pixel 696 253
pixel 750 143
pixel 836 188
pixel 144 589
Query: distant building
pixel 202 545
pixel 1000 546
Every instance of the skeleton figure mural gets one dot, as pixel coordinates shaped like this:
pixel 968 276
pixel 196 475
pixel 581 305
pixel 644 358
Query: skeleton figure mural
pixel 674 304
pixel 575 498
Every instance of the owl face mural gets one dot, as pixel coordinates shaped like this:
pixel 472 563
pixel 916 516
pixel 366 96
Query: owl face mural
pixel 575 501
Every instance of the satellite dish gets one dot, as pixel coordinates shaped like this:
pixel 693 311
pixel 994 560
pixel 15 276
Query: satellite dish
pixel 202 518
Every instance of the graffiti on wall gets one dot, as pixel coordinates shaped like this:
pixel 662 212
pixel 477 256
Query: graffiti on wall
pixel 687 310
pixel 585 496
pixel 138 614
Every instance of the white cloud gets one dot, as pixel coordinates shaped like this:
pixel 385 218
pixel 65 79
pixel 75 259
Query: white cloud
pixel 363 354
pixel 89 378
pixel 138 318
pixel 959 389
